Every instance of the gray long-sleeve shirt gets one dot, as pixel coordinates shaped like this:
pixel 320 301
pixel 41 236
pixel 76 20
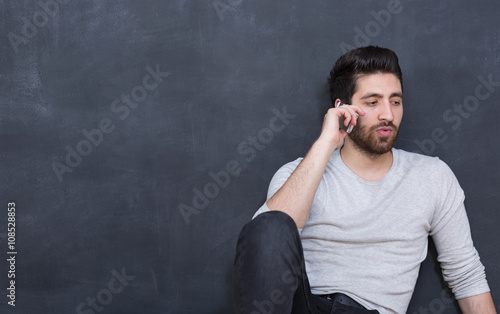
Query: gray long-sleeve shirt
pixel 368 239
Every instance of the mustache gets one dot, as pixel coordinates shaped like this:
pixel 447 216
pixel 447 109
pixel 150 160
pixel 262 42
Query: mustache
pixel 385 124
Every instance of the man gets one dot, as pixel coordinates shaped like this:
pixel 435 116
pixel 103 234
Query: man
pixel 345 229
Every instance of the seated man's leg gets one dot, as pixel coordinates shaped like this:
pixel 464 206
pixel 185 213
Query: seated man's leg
pixel 269 270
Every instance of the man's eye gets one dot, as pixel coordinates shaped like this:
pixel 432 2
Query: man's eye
pixel 396 102
pixel 371 103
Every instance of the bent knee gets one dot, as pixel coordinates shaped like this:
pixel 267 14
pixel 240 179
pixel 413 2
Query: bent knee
pixel 274 219
pixel 275 225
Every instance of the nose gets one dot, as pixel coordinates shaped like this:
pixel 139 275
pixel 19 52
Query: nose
pixel 386 113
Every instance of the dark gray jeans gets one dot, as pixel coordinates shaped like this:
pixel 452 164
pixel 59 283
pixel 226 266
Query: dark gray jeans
pixel 269 271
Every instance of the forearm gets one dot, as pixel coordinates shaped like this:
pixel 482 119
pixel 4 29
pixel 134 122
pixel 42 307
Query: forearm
pixel 478 304
pixel 297 194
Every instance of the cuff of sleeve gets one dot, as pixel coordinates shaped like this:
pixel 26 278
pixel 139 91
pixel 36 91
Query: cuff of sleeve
pixel 480 289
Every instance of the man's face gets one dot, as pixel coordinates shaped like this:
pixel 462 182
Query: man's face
pixel 381 98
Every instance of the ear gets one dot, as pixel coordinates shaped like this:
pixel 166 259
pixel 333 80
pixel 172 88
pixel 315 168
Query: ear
pixel 338 102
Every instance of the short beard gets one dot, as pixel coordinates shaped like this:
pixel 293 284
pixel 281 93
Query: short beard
pixel 370 143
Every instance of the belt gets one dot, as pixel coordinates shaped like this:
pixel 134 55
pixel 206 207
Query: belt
pixel 342 299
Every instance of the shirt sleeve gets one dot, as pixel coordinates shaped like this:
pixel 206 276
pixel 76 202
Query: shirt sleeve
pixel 278 180
pixel 450 230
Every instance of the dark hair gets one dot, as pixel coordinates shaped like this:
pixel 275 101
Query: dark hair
pixel 358 62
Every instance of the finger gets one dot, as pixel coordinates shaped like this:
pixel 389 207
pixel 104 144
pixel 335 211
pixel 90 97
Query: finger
pixel 358 110
pixel 355 112
pixel 354 119
pixel 354 108
pixel 349 114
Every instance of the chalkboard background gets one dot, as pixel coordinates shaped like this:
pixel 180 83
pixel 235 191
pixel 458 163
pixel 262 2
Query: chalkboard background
pixel 136 137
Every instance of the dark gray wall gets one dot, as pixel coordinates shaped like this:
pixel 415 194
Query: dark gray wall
pixel 100 218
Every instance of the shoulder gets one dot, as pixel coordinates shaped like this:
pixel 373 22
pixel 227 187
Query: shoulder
pixel 432 167
pixel 419 160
